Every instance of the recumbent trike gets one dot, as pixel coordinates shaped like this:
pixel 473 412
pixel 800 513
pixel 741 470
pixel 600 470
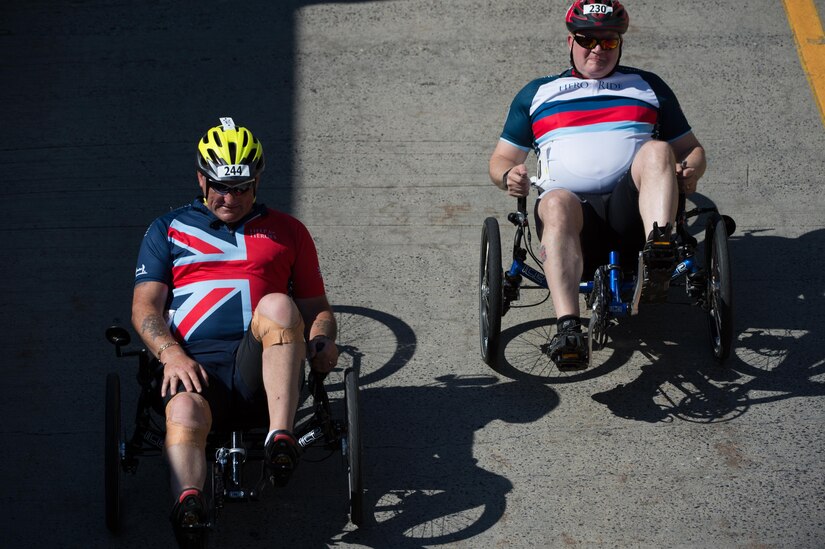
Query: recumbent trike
pixel 227 452
pixel 612 292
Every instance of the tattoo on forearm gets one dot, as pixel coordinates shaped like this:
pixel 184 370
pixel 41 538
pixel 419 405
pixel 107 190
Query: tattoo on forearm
pixel 153 327
pixel 322 326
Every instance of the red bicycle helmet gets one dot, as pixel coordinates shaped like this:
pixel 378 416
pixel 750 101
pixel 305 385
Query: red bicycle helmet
pixel 608 15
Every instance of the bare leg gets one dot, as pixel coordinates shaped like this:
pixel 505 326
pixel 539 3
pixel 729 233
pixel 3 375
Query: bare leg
pixel 188 422
pixel 187 466
pixel 561 215
pixel 282 363
pixel 654 172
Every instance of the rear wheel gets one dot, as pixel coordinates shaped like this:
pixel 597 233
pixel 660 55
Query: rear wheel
pixel 719 291
pixel 354 447
pixel 112 458
pixel 490 275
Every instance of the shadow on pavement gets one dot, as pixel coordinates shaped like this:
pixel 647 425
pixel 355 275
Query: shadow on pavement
pixel 777 352
pixel 424 485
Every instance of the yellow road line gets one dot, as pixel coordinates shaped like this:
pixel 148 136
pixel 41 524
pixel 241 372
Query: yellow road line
pixel 810 43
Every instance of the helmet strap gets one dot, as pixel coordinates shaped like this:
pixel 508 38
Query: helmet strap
pixel 618 59
pixel 576 72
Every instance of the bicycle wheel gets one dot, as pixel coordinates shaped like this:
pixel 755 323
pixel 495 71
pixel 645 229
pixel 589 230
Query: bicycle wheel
pixel 719 291
pixel 490 276
pixel 354 447
pixel 111 451
pixel 597 327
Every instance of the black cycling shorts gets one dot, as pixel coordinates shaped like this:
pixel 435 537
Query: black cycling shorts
pixel 611 222
pixel 235 393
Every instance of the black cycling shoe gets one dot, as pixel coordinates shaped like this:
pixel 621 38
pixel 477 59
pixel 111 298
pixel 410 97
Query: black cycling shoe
pixel 189 519
pixel 568 348
pixel 281 457
pixel 659 259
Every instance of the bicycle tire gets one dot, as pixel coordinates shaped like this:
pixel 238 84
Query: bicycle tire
pixel 719 290
pixel 112 458
pixel 490 297
pixel 354 447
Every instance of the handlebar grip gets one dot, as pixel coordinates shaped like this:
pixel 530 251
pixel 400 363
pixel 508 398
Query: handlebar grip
pixel 522 204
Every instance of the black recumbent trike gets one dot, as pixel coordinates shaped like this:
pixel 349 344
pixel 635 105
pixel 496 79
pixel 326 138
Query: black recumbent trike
pixel 611 292
pixel 228 453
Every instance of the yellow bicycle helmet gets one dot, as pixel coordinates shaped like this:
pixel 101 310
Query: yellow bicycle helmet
pixel 230 154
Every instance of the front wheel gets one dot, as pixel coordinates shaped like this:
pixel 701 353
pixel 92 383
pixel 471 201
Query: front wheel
pixel 597 328
pixel 354 447
pixel 490 275
pixel 719 291
pixel 111 452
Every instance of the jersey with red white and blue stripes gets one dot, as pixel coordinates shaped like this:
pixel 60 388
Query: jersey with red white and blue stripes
pixel 586 132
pixel 217 275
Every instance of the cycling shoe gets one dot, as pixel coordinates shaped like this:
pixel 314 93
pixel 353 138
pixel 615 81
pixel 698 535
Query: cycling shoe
pixel 189 519
pixel 568 348
pixel 281 457
pixel 659 260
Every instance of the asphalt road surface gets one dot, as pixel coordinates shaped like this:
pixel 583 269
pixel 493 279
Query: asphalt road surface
pixel 378 119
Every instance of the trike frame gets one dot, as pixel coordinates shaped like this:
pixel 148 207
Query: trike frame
pixel 226 452
pixel 611 293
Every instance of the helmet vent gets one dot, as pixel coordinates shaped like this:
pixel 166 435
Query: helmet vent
pixel 217 137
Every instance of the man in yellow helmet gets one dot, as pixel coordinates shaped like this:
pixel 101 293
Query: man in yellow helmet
pixel 229 297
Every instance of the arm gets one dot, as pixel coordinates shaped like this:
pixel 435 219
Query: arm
pixel 148 303
pixel 690 162
pixel 507 158
pixel 321 332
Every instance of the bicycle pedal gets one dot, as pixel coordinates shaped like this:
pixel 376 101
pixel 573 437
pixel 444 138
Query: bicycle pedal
pixel 196 528
pixel 280 478
pixel 660 260
pixel 656 285
pixel 571 366
pixel 660 250
pixel 193 535
pixel 571 362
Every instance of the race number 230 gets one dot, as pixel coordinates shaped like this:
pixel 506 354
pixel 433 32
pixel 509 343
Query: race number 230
pixel 597 8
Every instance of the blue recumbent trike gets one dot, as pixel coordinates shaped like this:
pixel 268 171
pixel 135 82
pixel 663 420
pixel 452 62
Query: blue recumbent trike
pixel 611 292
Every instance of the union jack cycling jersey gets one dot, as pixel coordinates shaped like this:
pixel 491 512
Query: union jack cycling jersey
pixel 586 132
pixel 217 275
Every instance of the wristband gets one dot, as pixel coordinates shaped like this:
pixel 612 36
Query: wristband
pixel 504 178
pixel 166 346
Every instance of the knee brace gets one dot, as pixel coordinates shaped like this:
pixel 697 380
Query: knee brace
pixel 184 431
pixel 269 332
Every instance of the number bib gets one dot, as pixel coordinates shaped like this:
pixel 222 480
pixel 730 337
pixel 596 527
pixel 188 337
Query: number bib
pixel 597 8
pixel 234 170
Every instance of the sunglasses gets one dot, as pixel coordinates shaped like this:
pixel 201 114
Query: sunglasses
pixel 234 190
pixel 589 43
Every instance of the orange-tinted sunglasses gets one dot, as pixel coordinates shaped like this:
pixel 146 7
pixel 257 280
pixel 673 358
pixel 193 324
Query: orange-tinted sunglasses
pixel 589 42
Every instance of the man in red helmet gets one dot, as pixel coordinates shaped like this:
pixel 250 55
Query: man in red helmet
pixel 614 151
